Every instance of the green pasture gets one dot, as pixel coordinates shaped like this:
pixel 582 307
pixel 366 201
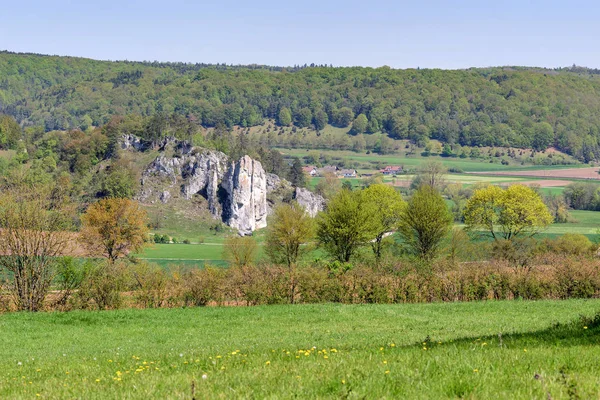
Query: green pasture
pixel 482 350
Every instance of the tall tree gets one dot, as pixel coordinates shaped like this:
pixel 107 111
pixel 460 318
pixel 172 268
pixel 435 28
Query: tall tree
pixel 297 175
pixel 425 222
pixel 288 232
pixel 390 207
pixel 346 225
pixel 285 117
pixel 360 124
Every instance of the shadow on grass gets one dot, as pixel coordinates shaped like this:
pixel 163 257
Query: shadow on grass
pixel 580 332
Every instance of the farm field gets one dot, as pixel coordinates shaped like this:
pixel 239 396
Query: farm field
pixel 467 165
pixel 503 349
pixel 572 173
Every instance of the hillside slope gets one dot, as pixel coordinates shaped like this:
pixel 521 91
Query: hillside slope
pixel 520 107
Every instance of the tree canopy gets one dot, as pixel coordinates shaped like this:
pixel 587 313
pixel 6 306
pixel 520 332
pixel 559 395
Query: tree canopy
pixel 519 107
pixel 507 213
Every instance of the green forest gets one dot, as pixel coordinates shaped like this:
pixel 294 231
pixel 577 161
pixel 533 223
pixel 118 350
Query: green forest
pixel 510 106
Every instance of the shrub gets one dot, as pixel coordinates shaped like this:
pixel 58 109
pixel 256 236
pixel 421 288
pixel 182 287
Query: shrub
pixel 186 241
pixel 103 285
pixel 203 286
pixel 150 283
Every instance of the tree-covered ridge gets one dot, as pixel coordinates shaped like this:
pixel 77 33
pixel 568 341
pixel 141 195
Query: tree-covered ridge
pixel 519 107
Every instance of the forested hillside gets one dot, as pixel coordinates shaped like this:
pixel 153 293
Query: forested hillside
pixel 517 107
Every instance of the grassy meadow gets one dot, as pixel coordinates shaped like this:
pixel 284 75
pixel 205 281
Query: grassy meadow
pixel 495 349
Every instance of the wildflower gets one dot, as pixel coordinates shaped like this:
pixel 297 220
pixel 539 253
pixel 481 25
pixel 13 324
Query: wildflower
pixel 387 372
pixel 385 361
pixel 180 354
pixel 484 344
pixel 585 327
pixel 97 380
pixel 333 350
pixel 343 381
pixel 392 345
pixel 325 357
pixel 19 363
pixel 204 376
pixel 381 349
pixel 525 350
pixel 268 363
pixel 475 370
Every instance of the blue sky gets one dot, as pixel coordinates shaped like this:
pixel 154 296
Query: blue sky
pixel 401 34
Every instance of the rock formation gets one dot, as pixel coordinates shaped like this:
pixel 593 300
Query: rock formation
pixel 246 186
pixel 236 191
pixel 312 202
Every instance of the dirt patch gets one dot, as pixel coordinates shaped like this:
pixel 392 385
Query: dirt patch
pixel 574 173
pixel 541 183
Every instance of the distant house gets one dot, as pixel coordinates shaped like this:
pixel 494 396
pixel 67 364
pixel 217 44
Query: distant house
pixel 347 173
pixel 391 170
pixel 332 169
pixel 310 170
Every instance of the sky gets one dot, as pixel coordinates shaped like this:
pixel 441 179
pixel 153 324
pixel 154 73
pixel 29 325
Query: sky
pixel 447 34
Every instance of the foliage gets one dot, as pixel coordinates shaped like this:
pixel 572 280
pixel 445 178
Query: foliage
pixel 515 211
pixel 35 221
pixel 113 228
pixel 288 233
pixel 390 207
pixel 425 222
pixel 240 250
pixel 518 107
pixel 290 228
pixel 346 225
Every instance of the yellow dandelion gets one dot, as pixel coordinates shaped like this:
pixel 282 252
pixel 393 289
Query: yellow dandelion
pixel 97 380
pixel 475 370
pixel 585 327
pixel 393 345
pixel 387 372
pixel 268 363
pixel 343 381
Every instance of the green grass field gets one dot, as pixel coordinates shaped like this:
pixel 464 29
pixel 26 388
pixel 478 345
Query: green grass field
pixel 483 350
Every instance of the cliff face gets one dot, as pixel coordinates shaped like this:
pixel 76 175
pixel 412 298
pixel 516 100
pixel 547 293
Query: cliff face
pixel 236 191
pixel 246 186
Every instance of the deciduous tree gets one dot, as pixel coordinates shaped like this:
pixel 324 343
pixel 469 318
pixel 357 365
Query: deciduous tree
pixel 35 222
pixel 389 207
pixel 425 222
pixel 288 232
pixel 113 228
pixel 346 225
pixel 506 214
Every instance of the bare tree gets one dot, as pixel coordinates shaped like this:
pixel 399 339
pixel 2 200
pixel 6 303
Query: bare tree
pixel 35 222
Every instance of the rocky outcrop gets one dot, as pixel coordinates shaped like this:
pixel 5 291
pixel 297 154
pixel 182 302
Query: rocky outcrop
pixel 132 142
pixel 246 186
pixel 240 193
pixel 312 202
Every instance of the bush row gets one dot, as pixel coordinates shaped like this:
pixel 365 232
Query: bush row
pixel 140 284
